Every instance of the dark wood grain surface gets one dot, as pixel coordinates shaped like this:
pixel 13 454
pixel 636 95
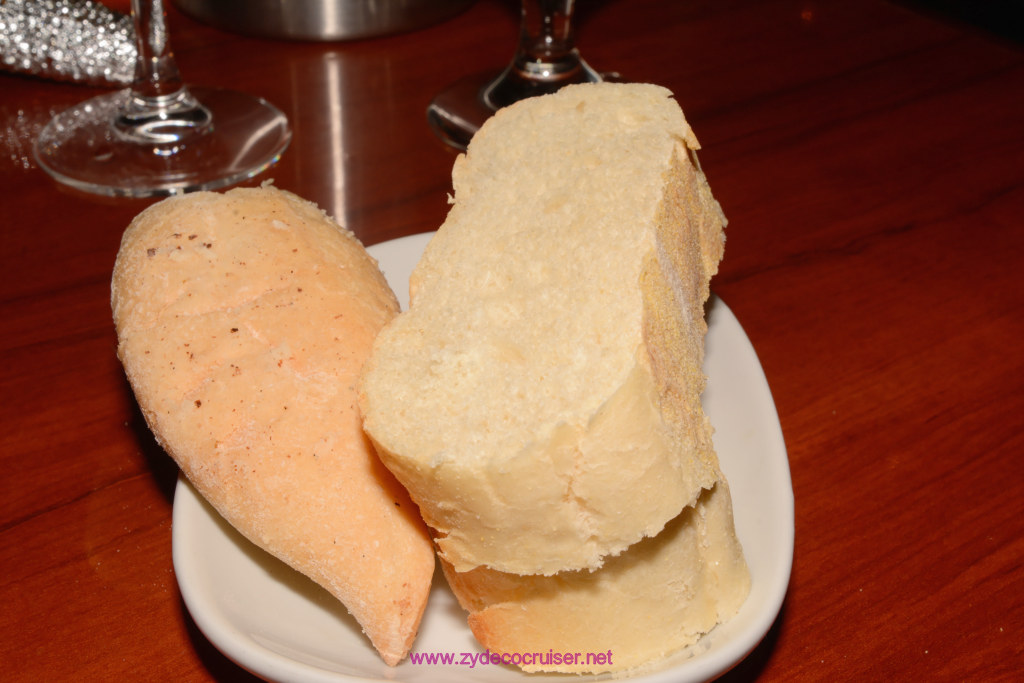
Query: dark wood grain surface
pixel 870 157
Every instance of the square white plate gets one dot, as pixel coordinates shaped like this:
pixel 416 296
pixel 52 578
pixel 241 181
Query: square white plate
pixel 281 626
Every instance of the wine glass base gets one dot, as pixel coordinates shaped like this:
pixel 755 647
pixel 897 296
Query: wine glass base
pixel 81 147
pixel 457 112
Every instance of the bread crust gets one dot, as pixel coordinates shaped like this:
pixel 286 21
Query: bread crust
pixel 243 321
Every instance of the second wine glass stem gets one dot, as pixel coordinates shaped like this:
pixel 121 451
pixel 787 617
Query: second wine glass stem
pixel 547 42
pixel 546 57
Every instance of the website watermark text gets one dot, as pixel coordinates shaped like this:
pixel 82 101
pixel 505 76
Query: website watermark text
pixel 521 659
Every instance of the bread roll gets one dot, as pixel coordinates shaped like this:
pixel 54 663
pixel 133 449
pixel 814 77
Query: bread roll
pixel 660 595
pixel 243 320
pixel 540 399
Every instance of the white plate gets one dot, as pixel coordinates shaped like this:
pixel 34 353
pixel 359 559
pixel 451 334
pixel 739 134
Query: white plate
pixel 279 625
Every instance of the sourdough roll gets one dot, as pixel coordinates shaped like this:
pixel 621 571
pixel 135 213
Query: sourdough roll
pixel 540 399
pixel 660 595
pixel 243 321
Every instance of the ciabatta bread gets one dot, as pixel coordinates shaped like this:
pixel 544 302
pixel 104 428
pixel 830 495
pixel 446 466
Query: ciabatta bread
pixel 243 321
pixel 540 399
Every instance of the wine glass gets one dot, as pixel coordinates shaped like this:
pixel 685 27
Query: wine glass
pixel 546 59
pixel 160 137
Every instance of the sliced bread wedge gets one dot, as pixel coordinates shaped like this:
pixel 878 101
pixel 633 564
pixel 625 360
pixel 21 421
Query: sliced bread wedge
pixel 659 596
pixel 540 399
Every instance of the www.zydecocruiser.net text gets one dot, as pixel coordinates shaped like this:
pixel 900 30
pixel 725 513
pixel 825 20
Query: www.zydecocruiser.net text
pixel 488 658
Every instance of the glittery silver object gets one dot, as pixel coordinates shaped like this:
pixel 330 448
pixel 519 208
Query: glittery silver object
pixel 67 40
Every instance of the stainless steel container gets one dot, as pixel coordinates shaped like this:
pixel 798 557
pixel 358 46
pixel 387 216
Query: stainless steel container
pixel 321 19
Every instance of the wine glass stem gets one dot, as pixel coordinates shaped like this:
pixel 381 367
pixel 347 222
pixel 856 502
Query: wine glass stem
pixel 547 44
pixel 156 72
pixel 546 57
pixel 159 108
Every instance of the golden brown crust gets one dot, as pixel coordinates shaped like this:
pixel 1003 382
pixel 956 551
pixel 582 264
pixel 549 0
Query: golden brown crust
pixel 243 321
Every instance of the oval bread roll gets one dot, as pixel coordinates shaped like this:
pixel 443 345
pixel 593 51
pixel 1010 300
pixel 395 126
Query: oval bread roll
pixel 243 321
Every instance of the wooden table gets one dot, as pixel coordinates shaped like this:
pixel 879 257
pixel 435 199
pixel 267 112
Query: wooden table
pixel 871 162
